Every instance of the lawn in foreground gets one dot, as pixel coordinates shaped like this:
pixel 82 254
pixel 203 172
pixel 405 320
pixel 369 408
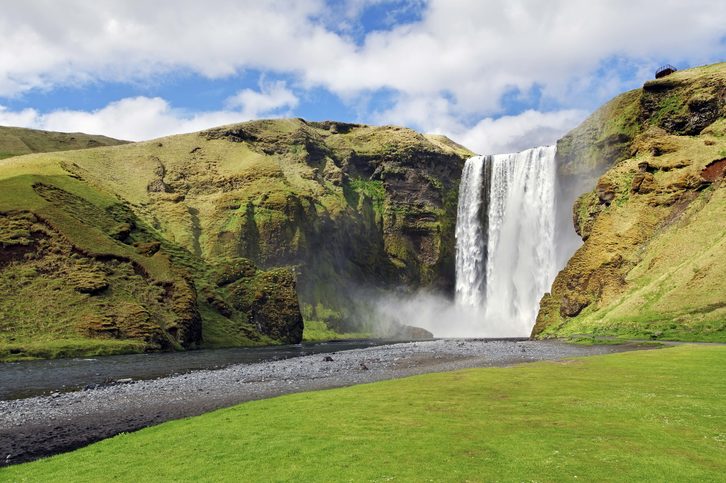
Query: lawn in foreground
pixel 657 415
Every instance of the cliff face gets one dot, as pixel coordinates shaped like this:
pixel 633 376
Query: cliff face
pixel 347 206
pixel 211 238
pixel 652 263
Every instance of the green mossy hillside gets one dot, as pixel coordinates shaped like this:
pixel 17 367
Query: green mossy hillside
pixel 82 274
pixel 16 141
pixel 218 238
pixel 653 262
pixel 347 205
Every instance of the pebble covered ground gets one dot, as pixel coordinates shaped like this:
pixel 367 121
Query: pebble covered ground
pixel 41 426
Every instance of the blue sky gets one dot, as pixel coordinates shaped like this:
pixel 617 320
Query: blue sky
pixel 496 76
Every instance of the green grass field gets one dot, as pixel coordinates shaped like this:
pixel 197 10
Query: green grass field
pixel 318 331
pixel 655 415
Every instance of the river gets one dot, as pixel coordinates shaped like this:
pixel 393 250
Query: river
pixel 39 377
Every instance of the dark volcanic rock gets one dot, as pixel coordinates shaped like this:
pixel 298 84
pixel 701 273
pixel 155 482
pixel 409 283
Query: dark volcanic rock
pixel 409 332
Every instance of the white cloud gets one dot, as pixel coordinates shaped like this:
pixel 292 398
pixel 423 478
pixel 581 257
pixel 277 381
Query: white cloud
pixel 271 98
pixel 429 113
pixel 24 118
pixel 51 43
pixel 452 67
pixel 477 50
pixel 135 118
pixel 139 118
pixel 509 134
pixel 504 134
pixel 473 49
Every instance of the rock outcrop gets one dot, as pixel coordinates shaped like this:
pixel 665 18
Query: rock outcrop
pixel 652 263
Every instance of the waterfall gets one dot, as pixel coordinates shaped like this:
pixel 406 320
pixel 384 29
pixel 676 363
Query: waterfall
pixel 505 250
pixel 471 234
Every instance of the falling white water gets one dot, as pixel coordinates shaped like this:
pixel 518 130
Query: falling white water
pixel 470 235
pixel 505 257
pixel 521 239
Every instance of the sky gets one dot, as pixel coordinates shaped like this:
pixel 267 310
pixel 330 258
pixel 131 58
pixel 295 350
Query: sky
pixel 495 76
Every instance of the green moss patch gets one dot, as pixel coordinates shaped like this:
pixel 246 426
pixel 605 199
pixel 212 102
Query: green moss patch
pixel 318 330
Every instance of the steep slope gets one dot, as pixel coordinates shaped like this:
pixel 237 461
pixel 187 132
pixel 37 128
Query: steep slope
pixel 80 273
pixel 324 209
pixel 16 141
pixel 653 259
pixel 349 206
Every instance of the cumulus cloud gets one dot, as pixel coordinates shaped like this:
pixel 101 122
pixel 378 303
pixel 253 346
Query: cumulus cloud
pixel 470 48
pixel 271 98
pixel 133 119
pixel 453 65
pixel 23 118
pixel 51 43
pixel 510 134
pixel 476 51
pixel 139 118
pixel 490 135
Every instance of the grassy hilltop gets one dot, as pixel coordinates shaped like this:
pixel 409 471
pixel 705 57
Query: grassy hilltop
pixel 653 263
pixel 209 239
pixel 16 141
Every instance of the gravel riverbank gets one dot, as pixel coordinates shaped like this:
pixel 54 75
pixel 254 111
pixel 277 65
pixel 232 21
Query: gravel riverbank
pixel 41 426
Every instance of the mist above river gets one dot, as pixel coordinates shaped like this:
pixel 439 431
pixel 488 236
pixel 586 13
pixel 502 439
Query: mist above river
pixel 445 318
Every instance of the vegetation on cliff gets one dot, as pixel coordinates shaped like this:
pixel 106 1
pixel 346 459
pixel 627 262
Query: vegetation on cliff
pixel 211 238
pixel 652 263
pixel 81 274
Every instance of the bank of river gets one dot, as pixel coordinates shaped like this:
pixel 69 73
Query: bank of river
pixel 42 377
pixel 44 425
